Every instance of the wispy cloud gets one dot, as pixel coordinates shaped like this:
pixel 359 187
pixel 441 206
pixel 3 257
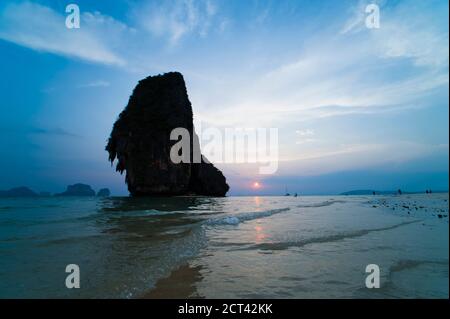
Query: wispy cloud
pixel 356 22
pixel 345 157
pixel 94 84
pixel 363 71
pixel 55 131
pixel 43 29
pixel 411 29
pixel 52 131
pixel 307 132
pixel 353 156
pixel 176 19
pixel 305 136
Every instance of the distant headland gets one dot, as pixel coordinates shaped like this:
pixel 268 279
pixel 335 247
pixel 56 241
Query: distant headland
pixel 78 189
pixel 397 192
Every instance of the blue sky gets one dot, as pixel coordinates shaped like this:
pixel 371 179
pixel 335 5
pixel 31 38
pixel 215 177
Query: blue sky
pixel 356 108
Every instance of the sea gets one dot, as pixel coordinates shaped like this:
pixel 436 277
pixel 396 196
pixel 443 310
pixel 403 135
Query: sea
pixel 231 247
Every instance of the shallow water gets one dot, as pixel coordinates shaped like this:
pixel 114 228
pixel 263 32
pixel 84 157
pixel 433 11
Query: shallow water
pixel 234 247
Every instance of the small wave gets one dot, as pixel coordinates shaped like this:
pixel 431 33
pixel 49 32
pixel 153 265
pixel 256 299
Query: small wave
pixel 238 218
pixel 69 240
pixel 16 208
pixel 128 214
pixel 19 223
pixel 323 239
pixel 410 264
pixel 321 204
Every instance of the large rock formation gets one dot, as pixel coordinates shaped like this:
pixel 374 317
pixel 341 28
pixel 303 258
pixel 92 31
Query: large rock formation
pixel 140 141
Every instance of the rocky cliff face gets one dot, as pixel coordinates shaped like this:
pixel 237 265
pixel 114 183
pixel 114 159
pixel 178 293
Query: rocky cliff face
pixel 140 141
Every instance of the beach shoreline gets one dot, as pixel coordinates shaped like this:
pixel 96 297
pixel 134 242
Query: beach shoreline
pixel 233 247
pixel 423 213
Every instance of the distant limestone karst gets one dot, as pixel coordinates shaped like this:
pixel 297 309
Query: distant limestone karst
pixel 140 141
pixel 72 190
pixel 18 192
pixel 78 190
pixel 104 192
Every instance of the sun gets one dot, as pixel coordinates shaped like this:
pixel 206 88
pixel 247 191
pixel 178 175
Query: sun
pixel 256 185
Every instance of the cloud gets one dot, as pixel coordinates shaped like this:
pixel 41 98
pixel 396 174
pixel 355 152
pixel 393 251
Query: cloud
pixel 412 29
pixel 356 22
pixel 52 131
pixel 177 19
pixel 397 67
pixel 42 29
pixel 342 157
pixel 307 132
pixel 94 84
pixel 359 156
pixel 56 131
pixel 305 136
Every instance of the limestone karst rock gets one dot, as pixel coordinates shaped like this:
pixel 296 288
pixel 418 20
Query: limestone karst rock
pixel 18 192
pixel 104 192
pixel 78 190
pixel 140 141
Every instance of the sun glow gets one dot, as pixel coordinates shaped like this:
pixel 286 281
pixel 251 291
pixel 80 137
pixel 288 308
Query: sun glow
pixel 256 185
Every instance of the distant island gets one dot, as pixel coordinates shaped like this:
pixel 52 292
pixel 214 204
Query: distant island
pixel 21 191
pixel 104 192
pixel 78 189
pixel 375 192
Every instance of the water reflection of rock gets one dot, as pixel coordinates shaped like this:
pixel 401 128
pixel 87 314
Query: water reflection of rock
pixel 162 204
pixel 145 239
pixel 138 218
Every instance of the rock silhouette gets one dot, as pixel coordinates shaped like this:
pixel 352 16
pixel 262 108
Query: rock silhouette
pixel 140 141
pixel 18 192
pixel 78 190
pixel 104 192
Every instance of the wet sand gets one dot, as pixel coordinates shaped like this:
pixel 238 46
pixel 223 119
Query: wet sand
pixel 179 285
